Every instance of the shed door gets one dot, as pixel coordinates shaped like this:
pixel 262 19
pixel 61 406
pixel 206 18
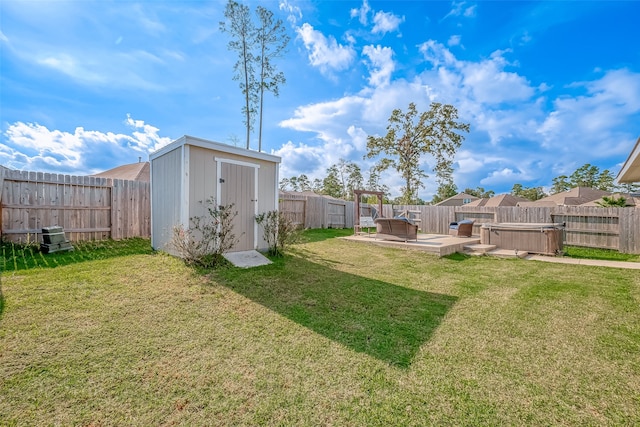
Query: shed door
pixel 238 186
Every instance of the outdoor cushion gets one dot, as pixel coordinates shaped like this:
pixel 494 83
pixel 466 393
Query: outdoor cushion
pixel 403 218
pixel 463 228
pixel 396 229
pixel 454 225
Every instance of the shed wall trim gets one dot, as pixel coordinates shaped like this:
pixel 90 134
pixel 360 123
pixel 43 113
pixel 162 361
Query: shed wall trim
pixel 236 162
pixel 184 177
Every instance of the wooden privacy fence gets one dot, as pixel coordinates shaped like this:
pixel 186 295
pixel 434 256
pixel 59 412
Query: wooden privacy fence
pixel 317 211
pixel 589 226
pixel 88 208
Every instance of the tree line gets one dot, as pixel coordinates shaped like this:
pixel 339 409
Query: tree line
pixel 344 177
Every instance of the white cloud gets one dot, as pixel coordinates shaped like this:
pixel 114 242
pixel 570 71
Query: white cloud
pixel 358 137
pixel 385 22
pixel 589 119
pixel 506 176
pixel 461 8
pixel 31 146
pixel 437 54
pixel 294 12
pixel 470 11
pixel 361 13
pixel 146 138
pixel 326 118
pixel 68 65
pixel 103 69
pixel 325 52
pixel 469 162
pixel 490 84
pixel 485 81
pixel 380 64
pixel 526 38
pixel 300 157
pixel 147 20
pixel 454 40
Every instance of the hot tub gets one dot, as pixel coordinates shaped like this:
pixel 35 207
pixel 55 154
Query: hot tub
pixel 539 238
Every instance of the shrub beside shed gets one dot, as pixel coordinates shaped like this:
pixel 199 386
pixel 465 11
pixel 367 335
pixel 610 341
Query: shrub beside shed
pixel 190 171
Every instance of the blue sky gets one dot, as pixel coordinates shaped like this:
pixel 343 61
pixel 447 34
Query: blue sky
pixel 546 86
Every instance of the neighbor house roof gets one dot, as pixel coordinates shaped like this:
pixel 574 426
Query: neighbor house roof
pixel 133 172
pixel 631 200
pixel 499 200
pixel 457 200
pixel 575 196
pixel 630 171
pixel 537 203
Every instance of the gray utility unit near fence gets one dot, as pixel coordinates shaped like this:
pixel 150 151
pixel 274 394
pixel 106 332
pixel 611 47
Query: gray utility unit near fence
pixel 88 208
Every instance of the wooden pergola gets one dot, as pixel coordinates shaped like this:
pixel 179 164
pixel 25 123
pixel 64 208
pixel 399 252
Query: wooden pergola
pixel 356 215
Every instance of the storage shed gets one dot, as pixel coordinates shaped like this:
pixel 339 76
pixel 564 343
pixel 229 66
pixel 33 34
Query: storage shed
pixel 189 171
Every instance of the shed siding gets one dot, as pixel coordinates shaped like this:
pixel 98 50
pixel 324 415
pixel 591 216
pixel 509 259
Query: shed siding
pixel 181 185
pixel 202 180
pixel 165 197
pixel 267 187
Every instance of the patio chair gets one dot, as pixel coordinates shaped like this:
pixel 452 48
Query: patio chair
pixel 462 228
pixel 401 229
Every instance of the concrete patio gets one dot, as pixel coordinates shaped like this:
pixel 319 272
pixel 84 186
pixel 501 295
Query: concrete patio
pixel 437 244
pixel 441 245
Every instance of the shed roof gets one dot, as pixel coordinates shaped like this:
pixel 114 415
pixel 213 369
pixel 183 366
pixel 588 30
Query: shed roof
pixel 630 171
pixel 132 172
pixel 212 145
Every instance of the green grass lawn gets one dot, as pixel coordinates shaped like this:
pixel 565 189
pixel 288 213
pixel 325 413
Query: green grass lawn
pixel 336 333
pixel 603 254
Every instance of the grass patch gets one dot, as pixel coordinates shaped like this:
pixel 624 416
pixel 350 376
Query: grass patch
pixel 335 333
pixel 319 234
pixel 15 257
pixel 595 253
pixel 381 319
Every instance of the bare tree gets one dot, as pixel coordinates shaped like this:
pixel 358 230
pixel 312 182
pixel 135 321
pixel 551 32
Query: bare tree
pixel 257 48
pixel 243 35
pixel 272 41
